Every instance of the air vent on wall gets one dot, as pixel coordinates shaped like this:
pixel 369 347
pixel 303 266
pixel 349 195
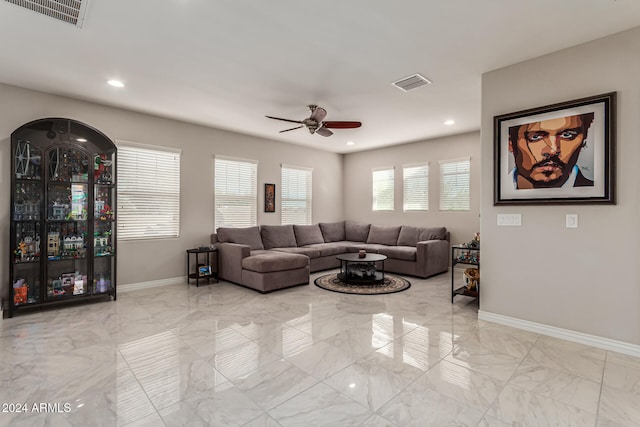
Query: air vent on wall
pixel 70 11
pixel 412 82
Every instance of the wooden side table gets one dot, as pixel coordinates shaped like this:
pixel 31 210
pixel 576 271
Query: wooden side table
pixel 207 269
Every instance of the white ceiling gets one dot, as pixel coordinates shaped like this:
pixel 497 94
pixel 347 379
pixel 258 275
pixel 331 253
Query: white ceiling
pixel 228 63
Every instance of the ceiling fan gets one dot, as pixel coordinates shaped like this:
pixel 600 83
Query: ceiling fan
pixel 315 122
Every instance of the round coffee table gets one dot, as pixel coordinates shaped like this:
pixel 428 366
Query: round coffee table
pixel 361 271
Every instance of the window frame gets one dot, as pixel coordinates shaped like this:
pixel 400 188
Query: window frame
pixel 308 211
pixel 450 199
pixel 391 170
pixel 406 191
pixel 143 186
pixel 251 189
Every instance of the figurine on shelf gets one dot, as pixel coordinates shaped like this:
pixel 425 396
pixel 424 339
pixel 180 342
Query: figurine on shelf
pixel 53 245
pixel 475 243
pixel 102 169
pixel 20 289
pixel 472 278
pixel 78 285
pixel 106 213
pixel 103 283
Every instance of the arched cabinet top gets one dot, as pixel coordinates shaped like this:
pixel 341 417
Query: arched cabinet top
pixel 59 131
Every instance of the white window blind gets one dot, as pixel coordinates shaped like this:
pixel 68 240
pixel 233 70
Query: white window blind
pixel 148 191
pixel 296 200
pixel 454 185
pixel 383 189
pixel 236 182
pixel 416 187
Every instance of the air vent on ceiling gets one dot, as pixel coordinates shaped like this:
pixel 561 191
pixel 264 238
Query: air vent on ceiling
pixel 70 11
pixel 412 82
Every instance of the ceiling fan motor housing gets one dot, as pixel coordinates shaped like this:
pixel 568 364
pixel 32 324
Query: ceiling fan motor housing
pixel 315 122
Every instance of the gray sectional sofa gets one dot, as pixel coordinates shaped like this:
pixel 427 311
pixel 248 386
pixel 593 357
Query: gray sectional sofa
pixel 273 257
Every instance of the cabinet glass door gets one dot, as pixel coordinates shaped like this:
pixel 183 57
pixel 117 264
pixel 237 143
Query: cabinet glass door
pixel 25 215
pixel 67 231
pixel 104 224
pixel 104 257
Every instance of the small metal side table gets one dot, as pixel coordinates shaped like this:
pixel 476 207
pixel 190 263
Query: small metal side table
pixel 207 269
pixel 462 254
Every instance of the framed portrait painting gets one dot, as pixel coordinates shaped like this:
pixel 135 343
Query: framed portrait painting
pixel 556 154
pixel 269 197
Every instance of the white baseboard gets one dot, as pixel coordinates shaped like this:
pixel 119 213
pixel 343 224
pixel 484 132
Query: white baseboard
pixel 152 284
pixel 566 334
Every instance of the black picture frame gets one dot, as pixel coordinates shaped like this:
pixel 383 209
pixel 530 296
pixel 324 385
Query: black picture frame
pixel 269 197
pixel 557 154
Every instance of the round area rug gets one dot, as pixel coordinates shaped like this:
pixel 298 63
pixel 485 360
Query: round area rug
pixel 391 284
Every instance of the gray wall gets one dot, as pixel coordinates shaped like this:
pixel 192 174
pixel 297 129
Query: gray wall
pixel 358 186
pixel 583 279
pixel 141 261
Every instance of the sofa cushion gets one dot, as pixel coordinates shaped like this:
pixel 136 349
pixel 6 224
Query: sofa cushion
pixel 309 251
pixel 333 231
pixel 384 234
pixel 370 248
pixel 328 249
pixel 278 236
pixel 268 261
pixel 356 232
pixel 249 236
pixel 406 253
pixel 308 234
pixel 410 236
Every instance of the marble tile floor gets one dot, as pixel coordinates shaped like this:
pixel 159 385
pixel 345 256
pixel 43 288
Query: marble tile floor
pixel 223 355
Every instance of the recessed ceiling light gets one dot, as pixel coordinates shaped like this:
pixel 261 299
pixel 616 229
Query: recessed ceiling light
pixel 350 143
pixel 449 122
pixel 115 83
pixel 81 140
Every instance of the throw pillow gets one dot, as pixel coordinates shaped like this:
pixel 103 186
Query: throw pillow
pixel 384 235
pixel 308 234
pixel 278 236
pixel 356 232
pixel 333 231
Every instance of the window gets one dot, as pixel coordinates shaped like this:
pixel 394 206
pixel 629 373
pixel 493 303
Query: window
pixel 148 191
pixel 383 189
pixel 296 195
pixel 415 180
pixel 236 182
pixel 454 185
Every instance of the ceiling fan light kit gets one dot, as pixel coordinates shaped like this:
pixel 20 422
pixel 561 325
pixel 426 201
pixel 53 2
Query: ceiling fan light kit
pixel 315 122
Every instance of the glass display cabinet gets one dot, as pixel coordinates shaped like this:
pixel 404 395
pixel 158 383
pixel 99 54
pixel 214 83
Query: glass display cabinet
pixel 63 242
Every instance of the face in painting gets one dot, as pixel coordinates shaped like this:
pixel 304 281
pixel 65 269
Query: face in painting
pixel 546 151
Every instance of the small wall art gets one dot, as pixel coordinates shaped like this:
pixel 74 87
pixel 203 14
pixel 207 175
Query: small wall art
pixel 269 197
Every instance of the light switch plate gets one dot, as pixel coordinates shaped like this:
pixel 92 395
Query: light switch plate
pixel 572 221
pixel 510 220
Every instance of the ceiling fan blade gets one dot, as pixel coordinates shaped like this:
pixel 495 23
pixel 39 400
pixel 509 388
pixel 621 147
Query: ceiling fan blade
pixel 318 114
pixel 324 131
pixel 284 120
pixel 341 125
pixel 287 130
